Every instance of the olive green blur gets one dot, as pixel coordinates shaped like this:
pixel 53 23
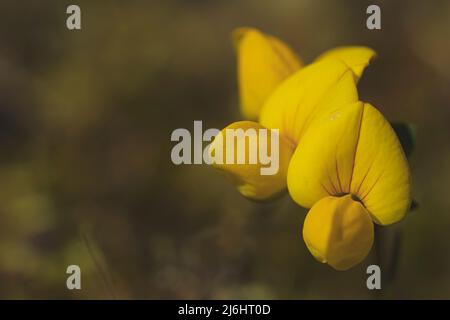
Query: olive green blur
pixel 86 176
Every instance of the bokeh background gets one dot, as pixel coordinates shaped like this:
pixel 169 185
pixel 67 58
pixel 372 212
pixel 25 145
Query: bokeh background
pixel 85 170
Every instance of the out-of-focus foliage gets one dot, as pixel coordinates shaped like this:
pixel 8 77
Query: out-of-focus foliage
pixel 85 170
pixel 406 135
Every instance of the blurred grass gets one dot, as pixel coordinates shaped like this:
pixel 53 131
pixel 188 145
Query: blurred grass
pixel 85 123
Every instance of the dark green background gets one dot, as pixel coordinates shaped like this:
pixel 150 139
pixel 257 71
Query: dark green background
pixel 85 170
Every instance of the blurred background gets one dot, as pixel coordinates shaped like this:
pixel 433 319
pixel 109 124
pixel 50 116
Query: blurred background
pixel 85 170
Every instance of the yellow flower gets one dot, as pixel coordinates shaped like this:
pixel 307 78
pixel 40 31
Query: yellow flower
pixel 350 168
pixel 264 63
pixel 247 177
pixel 338 156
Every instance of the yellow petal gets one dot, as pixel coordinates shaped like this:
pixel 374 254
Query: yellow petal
pixel 353 150
pixel 338 231
pixel 306 95
pixel 355 57
pixel 263 63
pixel 322 165
pixel 256 177
pixel 381 176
